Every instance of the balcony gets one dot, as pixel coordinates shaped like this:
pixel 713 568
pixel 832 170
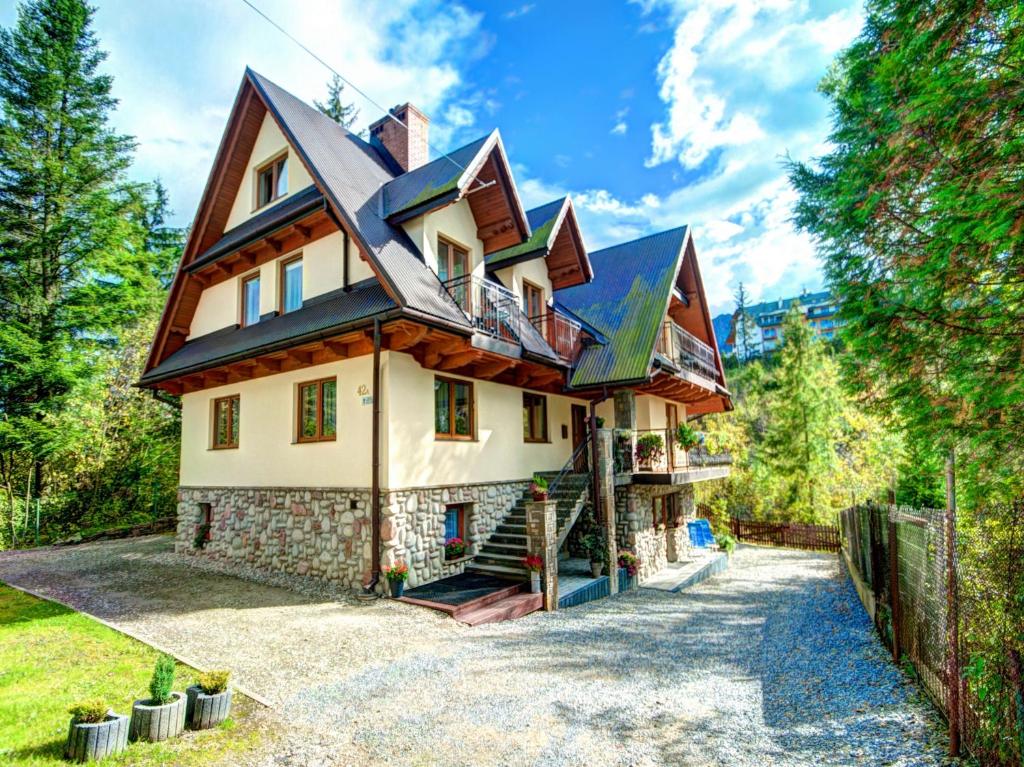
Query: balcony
pixel 661 461
pixel 687 351
pixel 492 309
pixel 561 333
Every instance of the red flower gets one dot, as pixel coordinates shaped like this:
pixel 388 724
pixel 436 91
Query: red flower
pixel 533 563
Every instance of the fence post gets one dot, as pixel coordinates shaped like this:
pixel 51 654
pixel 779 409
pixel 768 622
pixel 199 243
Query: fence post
pixel 894 587
pixel 952 618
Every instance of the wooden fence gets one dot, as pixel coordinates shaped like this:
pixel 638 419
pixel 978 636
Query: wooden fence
pixel 791 535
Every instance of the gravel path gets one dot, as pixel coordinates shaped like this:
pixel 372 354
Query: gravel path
pixel 772 663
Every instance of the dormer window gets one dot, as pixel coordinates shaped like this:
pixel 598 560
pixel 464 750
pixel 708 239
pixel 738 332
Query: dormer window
pixel 272 181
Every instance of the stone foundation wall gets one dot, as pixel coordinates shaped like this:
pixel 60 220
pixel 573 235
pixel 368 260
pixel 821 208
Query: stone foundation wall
pixel 635 529
pixel 326 532
pixel 412 524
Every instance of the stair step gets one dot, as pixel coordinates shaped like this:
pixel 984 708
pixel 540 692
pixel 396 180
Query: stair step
pixel 501 571
pixel 504 529
pixel 505 609
pixel 493 547
pixel 457 610
pixel 510 538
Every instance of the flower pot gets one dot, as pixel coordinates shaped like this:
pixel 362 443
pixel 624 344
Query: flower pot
pixel 154 722
pixel 88 741
pixel 534 582
pixel 397 588
pixel 596 568
pixel 204 711
pixel 538 497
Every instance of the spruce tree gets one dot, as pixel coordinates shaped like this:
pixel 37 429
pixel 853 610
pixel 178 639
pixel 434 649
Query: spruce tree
pixel 342 113
pixel 743 326
pixel 804 422
pixel 74 263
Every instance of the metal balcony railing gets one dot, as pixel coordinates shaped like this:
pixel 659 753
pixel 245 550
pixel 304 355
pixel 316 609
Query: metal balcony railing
pixel 492 309
pixel 561 333
pixel 657 451
pixel 687 351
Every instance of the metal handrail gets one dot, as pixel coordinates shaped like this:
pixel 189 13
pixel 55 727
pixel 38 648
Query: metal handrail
pixel 570 464
pixel 672 456
pixel 493 308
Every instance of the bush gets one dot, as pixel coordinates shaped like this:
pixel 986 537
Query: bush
pixel 214 682
pixel 595 545
pixel 726 542
pixel 630 561
pixel 687 436
pixel 88 711
pixel 163 680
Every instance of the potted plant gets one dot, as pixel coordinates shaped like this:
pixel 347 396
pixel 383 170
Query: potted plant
pixel 397 575
pixel 650 447
pixel 208 701
pixel 629 561
pixel 594 544
pixel 454 548
pixel 534 564
pixel 600 422
pixel 687 437
pixel 162 714
pixel 95 732
pixel 539 488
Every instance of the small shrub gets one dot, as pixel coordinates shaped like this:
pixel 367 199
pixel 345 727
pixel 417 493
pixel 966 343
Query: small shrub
pixel 650 447
pixel 163 680
pixel 454 548
pixel 213 682
pixel 726 542
pixel 687 436
pixel 538 487
pixel 88 711
pixel 595 545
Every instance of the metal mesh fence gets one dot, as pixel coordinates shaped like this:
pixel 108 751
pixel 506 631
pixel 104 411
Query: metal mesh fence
pixel 899 557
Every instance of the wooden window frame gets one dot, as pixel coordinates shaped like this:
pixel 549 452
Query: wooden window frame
pixel 527 288
pixel 319 436
pixel 450 435
pixel 243 282
pixel 232 442
pixel 282 266
pixel 272 166
pixel 546 436
pixel 462 508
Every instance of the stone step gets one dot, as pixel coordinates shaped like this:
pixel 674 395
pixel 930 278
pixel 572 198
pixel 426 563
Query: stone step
pixel 499 571
pixel 504 529
pixel 493 547
pixel 508 538
pixel 499 558
pixel 505 609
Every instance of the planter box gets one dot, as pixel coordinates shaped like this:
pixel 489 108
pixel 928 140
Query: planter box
pixel 204 711
pixel 97 740
pixel 156 723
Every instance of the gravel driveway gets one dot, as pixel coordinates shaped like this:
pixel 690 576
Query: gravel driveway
pixel 772 663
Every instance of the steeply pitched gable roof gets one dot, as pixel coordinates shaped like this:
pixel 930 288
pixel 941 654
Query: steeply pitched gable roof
pixel 542 234
pixel 435 183
pixel 626 302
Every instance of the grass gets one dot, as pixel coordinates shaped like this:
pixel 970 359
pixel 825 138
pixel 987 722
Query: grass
pixel 52 657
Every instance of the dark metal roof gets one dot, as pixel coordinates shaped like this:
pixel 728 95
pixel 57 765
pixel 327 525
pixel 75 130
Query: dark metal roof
pixel 322 315
pixel 626 302
pixel 351 174
pixel 259 226
pixel 429 183
pixel 542 221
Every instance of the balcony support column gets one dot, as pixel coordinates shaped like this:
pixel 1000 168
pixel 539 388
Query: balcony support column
pixel 542 541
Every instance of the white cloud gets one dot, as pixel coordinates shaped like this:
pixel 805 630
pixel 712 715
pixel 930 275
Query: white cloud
pixel 522 10
pixel 620 128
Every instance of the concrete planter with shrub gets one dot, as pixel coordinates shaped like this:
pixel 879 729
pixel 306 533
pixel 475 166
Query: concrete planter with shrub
pixel 162 715
pixel 95 732
pixel 209 702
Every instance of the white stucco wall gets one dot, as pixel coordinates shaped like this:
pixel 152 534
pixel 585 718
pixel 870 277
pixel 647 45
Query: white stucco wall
pixel 269 143
pixel 267 455
pixel 534 271
pixel 217 308
pixel 456 223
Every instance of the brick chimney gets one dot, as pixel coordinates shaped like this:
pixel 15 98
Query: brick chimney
pixel 408 145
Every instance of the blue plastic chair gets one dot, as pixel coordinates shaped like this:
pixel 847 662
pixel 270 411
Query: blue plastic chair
pixel 699 531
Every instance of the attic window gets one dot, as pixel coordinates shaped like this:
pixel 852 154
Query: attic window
pixel 272 181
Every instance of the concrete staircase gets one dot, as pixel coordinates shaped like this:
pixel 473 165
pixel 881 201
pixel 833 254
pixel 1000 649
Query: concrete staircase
pixel 502 555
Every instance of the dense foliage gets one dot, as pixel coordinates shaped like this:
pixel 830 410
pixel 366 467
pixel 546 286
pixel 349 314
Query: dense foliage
pixel 918 209
pixel 84 261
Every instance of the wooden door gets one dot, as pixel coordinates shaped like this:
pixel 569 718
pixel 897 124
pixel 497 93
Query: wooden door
pixel 579 436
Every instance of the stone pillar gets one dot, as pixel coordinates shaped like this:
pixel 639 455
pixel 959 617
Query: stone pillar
pixel 542 541
pixel 606 485
pixel 678 535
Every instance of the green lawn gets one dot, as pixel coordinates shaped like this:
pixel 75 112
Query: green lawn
pixel 51 656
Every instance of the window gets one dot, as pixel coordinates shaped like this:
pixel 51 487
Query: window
pixel 291 285
pixel 533 300
pixel 453 409
pixel 535 417
pixel 318 410
pixel 455 521
pixel 225 422
pixel 664 508
pixel 251 300
pixel 453 262
pixel 272 181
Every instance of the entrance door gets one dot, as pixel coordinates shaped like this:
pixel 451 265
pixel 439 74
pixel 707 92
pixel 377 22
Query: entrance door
pixel 672 419
pixel 579 436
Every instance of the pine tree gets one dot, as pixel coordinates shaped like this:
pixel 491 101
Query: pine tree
pixel 75 266
pixel 804 423
pixel 743 326
pixel 344 114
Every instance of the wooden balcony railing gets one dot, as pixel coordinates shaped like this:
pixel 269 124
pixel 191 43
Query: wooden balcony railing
pixel 492 309
pixel 687 351
pixel 561 333
pixel 657 451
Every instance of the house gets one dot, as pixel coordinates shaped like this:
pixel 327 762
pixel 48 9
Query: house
pixel 819 309
pixel 375 352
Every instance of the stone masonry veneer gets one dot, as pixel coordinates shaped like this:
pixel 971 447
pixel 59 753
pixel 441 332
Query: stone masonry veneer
pixel 326 532
pixel 635 530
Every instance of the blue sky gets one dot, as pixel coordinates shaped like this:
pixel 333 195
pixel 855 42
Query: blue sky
pixel 652 114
